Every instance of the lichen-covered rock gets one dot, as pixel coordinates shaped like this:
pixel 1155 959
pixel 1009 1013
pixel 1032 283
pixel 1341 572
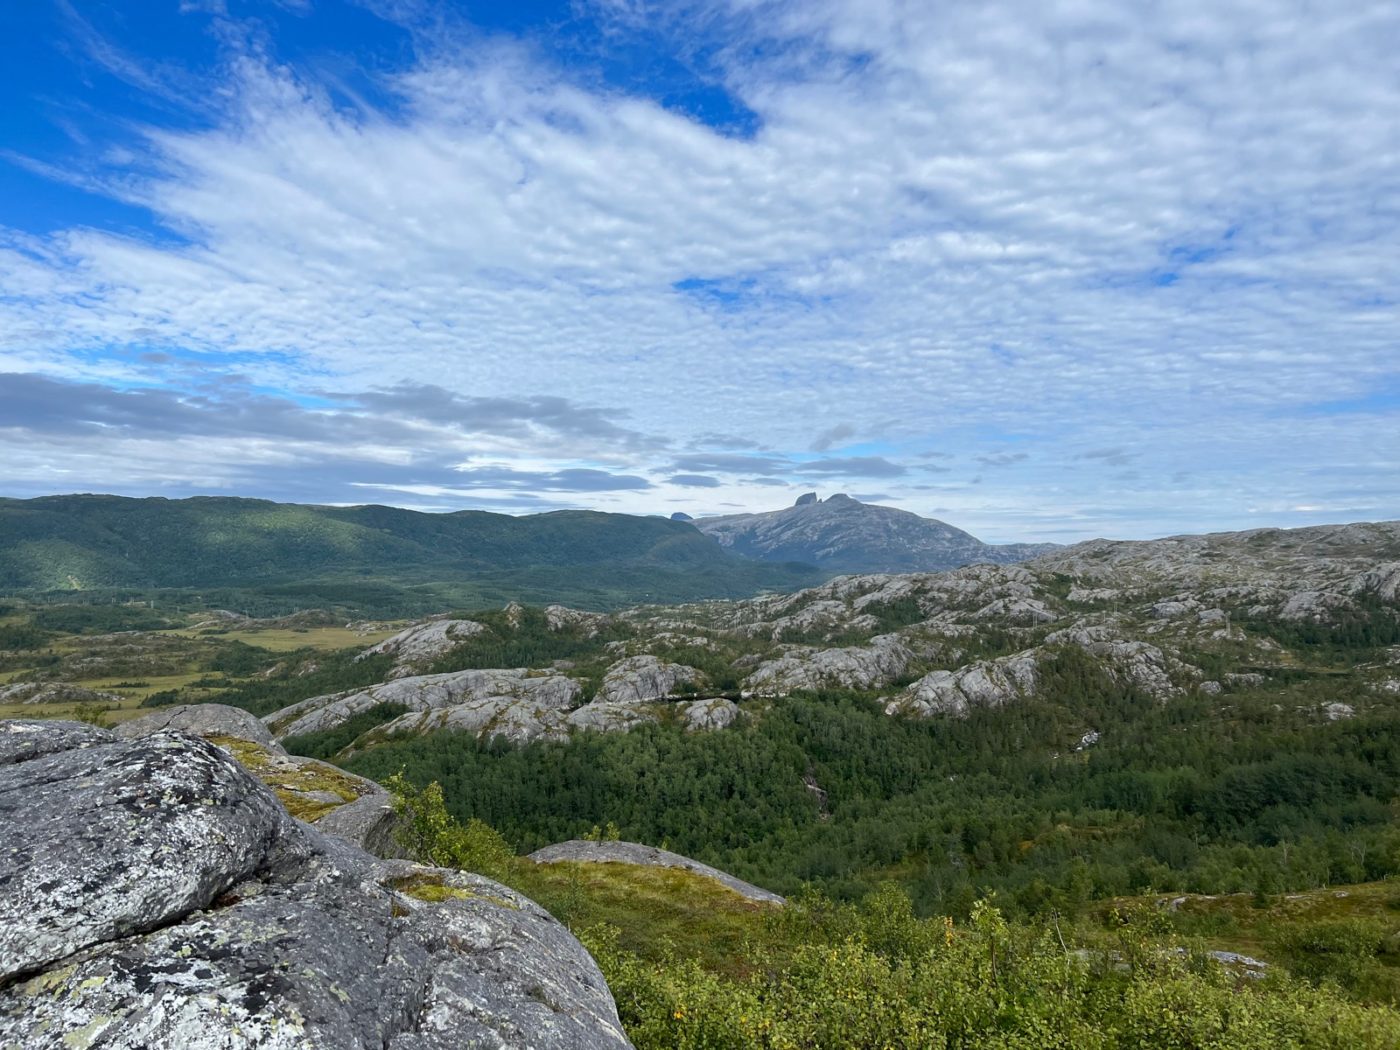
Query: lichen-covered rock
pixel 562 618
pixel 22 739
pixel 1383 581
pixel 206 720
pixel 519 721
pixel 590 852
pixel 115 838
pixel 601 717
pixel 642 679
pixel 426 693
pixel 871 666
pixel 705 715
pixel 305 943
pixel 422 643
pixel 987 683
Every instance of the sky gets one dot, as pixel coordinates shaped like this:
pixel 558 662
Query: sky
pixel 1046 270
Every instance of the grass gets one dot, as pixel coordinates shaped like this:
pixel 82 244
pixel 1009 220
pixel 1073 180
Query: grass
pixel 287 639
pixel 302 785
pixel 429 886
pixel 658 910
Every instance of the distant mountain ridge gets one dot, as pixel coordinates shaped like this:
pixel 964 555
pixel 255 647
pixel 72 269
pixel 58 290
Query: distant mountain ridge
pixel 843 535
pixel 87 542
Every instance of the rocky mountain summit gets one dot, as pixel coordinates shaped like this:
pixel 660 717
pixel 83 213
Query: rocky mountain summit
pixel 154 893
pixel 841 534
pixel 1210 614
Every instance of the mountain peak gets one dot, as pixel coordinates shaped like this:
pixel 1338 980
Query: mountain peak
pixel 841 534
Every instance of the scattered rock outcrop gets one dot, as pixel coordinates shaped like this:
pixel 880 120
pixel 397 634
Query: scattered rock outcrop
pixel 54 693
pixel 426 693
pixel 419 645
pixel 987 683
pixel 644 679
pixel 153 893
pixel 870 666
pixel 590 852
pixel 704 715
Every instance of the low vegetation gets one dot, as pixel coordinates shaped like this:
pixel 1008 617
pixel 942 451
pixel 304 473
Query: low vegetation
pixel 694 965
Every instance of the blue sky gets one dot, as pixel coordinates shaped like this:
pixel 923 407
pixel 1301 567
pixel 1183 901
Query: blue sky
pixel 1044 270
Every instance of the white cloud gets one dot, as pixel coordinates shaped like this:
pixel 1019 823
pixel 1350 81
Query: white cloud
pixel 1088 225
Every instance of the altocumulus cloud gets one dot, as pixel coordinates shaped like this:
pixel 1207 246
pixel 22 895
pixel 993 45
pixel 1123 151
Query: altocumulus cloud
pixel 1082 227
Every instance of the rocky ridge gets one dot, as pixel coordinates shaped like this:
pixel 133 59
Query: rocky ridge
pixel 1153 616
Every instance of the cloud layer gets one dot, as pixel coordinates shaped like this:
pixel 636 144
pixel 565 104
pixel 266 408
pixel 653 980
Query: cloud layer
pixel 1126 270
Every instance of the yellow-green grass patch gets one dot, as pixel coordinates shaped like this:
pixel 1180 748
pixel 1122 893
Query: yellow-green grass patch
pixel 429 886
pixel 657 909
pixel 300 784
pixel 286 639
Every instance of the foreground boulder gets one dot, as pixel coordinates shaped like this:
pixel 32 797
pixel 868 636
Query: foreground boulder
pixel 155 894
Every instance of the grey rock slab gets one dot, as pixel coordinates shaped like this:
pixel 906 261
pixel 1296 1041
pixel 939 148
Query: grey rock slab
pixel 987 683
pixel 22 739
pixel 518 721
pixel 885 659
pixel 204 720
pixel 423 642
pixel 426 693
pixel 591 852
pixel 642 679
pixel 116 838
pixel 712 714
pixel 610 718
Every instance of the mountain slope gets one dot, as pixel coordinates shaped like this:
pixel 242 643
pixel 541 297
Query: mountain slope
pixel 86 542
pixel 843 535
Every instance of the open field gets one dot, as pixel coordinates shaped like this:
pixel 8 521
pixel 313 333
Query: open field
pixel 287 639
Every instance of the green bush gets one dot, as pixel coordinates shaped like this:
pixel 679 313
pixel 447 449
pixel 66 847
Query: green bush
pixel 432 836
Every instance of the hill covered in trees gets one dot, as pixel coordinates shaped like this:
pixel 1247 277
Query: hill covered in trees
pixel 274 557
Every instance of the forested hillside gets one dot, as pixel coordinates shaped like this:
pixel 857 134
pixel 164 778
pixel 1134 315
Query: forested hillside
pixel 269 558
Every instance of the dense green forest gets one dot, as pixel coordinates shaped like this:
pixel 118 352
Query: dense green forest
pixel 1210 794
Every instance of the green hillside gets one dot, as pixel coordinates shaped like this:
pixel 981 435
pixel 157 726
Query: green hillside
pixel 362 556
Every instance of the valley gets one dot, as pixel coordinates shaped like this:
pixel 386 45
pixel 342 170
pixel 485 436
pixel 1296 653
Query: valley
pixel 1190 739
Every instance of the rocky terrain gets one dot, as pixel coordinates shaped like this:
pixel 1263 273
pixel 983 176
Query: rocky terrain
pixel 841 534
pixel 154 893
pixel 1210 614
